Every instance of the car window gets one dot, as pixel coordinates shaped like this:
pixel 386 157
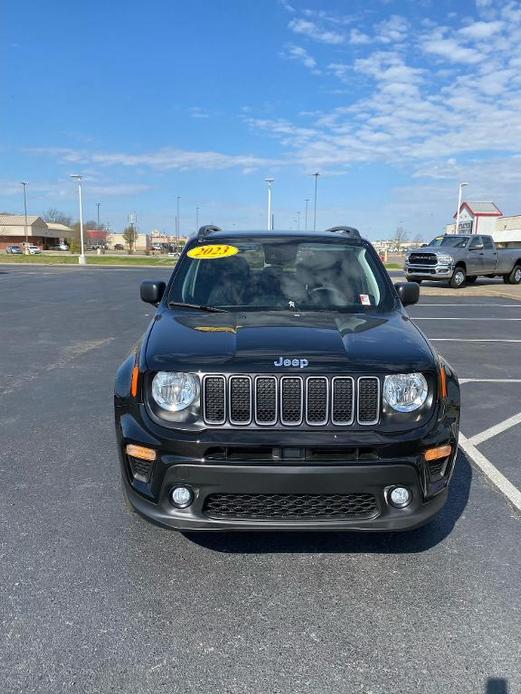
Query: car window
pixel 487 243
pixel 452 241
pixel 476 241
pixel 283 275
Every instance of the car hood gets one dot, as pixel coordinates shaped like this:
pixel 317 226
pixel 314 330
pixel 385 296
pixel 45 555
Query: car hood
pixel 434 249
pixel 252 342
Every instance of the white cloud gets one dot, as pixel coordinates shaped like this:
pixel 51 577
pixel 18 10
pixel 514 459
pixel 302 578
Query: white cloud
pixel 357 38
pixel 392 30
pixel 315 32
pixel 451 50
pixel 481 30
pixel 198 112
pixel 301 55
pixel 163 159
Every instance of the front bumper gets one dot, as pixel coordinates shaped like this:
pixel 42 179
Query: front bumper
pixel 429 272
pixel 206 480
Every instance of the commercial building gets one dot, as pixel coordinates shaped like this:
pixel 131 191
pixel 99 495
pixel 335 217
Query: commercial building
pixel 485 217
pixel 42 234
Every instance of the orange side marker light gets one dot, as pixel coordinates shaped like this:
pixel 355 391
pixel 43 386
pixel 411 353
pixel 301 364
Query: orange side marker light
pixel 134 382
pixel 141 452
pixel 438 452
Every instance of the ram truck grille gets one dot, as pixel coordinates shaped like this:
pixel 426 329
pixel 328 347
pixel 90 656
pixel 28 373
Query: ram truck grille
pixel 290 401
pixel 423 259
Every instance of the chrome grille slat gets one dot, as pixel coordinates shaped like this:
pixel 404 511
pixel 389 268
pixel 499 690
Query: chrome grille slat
pixel 290 400
pixel 240 399
pixel 368 400
pixel 266 400
pixel 317 400
pixel 343 400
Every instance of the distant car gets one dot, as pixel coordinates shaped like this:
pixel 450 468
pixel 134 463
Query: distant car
pixel 33 250
pixel 14 250
pixel 156 247
pixel 59 247
pixel 119 247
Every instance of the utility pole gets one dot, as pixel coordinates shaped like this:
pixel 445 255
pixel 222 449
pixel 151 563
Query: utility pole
pixel 82 260
pixel 316 175
pixel 23 184
pixel 98 206
pixel 178 224
pixel 269 181
pixel 306 215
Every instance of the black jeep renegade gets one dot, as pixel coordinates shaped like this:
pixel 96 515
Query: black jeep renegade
pixel 282 385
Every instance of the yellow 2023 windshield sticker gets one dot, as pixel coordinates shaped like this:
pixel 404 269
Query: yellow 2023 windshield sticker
pixel 212 252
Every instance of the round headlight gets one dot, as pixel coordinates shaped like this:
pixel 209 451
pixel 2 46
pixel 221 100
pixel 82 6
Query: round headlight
pixel 174 391
pixel 405 392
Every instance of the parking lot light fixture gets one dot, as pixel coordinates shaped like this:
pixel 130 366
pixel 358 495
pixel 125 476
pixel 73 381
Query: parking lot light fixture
pixel 461 186
pixel 269 181
pixel 315 175
pixel 24 184
pixel 82 260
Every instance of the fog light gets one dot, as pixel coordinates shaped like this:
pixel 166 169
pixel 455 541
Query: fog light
pixel 400 497
pixel 181 497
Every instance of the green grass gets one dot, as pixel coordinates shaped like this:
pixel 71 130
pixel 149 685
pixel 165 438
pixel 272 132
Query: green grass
pixel 393 266
pixel 68 259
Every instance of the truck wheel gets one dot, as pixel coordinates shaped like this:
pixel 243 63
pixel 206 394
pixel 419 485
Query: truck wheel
pixel 471 280
pixel 514 277
pixel 458 278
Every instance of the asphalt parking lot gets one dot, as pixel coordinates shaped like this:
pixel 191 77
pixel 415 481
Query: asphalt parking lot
pixel 96 599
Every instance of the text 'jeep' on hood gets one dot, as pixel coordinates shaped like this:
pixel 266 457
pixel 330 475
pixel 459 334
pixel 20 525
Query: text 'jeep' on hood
pixel 282 385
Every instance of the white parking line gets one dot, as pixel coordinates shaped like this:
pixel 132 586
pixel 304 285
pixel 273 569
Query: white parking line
pixel 428 303
pixel 459 318
pixel 469 339
pixel 490 380
pixel 497 478
pixel 495 430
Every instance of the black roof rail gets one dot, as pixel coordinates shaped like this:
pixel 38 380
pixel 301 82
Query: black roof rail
pixel 348 230
pixel 206 231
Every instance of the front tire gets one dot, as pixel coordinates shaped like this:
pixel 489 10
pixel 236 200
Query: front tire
pixel 514 277
pixel 458 279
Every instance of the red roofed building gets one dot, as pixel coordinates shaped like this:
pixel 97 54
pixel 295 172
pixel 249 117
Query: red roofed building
pixel 476 217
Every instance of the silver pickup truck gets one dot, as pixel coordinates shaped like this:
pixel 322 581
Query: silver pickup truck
pixel 461 259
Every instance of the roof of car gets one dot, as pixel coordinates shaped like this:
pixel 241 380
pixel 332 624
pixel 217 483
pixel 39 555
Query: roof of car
pixel 291 233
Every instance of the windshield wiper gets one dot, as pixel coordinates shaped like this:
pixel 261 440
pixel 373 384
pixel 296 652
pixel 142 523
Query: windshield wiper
pixel 199 307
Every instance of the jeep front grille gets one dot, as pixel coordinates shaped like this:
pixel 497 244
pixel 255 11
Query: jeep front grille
pixel 290 506
pixel 290 401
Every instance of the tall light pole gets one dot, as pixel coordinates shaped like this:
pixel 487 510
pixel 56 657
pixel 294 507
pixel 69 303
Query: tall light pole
pixel 98 206
pixel 178 223
pixel 315 175
pixel 269 181
pixel 461 186
pixel 197 218
pixel 23 184
pixel 82 260
pixel 306 215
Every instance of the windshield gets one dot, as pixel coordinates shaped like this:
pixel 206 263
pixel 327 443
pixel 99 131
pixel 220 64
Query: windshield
pixel 452 241
pixel 282 275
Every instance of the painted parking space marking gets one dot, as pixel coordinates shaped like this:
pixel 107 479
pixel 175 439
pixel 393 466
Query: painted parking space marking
pixel 470 339
pixel 489 380
pixel 504 485
pixel 496 429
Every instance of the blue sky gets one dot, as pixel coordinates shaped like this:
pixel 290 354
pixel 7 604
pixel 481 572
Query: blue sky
pixel 393 101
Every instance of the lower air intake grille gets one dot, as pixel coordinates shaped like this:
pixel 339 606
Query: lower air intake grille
pixel 290 506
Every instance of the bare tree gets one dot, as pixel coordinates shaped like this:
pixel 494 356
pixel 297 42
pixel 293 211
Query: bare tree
pixel 54 215
pixel 400 236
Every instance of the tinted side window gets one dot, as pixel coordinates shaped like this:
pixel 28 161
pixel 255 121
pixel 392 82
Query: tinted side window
pixel 487 243
pixel 475 242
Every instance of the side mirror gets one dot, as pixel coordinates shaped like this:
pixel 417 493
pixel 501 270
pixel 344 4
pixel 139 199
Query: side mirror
pixel 152 292
pixel 409 292
pixel 477 247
